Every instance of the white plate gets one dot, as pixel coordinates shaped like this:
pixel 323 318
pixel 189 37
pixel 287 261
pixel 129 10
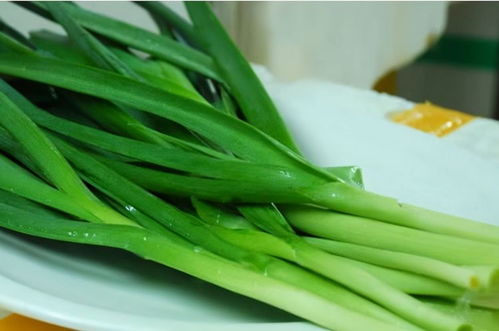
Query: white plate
pixel 96 288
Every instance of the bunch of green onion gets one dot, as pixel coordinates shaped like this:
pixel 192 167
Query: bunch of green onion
pixel 168 146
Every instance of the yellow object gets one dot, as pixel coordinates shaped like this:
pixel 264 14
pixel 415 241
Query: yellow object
pixel 16 322
pixel 432 119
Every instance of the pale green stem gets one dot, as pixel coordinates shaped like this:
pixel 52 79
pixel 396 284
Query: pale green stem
pixel 197 262
pixel 453 274
pixel 481 319
pixel 411 283
pixel 344 272
pixel 348 199
pixel 372 233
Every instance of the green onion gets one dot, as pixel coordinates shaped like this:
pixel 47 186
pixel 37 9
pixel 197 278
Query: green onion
pixel 194 261
pixel 244 84
pixel 182 158
pixel 51 162
pixel 136 37
pixel 353 229
pixel 165 16
pixel 458 276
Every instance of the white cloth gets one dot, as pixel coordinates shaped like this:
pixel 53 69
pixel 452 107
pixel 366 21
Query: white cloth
pixel 337 125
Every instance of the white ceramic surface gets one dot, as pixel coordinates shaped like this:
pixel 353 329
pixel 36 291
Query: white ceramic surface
pixel 94 288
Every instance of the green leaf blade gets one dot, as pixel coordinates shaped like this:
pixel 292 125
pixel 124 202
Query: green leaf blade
pixel 236 71
pixel 138 38
pixel 235 135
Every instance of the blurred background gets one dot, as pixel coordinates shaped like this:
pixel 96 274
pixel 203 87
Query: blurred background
pixel 445 52
pixel 460 70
